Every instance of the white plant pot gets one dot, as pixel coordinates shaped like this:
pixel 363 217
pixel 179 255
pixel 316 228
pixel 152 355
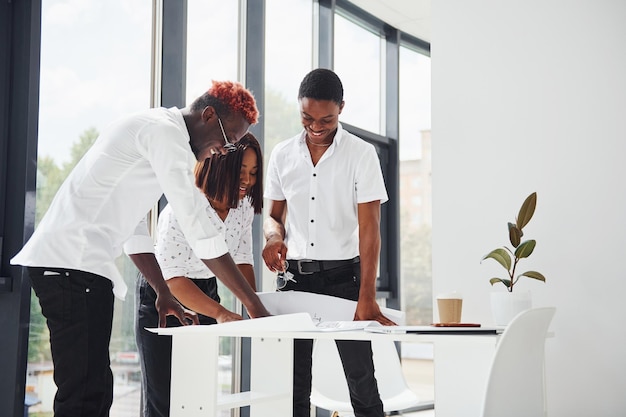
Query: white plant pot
pixel 506 305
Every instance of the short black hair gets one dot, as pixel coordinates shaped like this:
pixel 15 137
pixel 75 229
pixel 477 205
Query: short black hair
pixel 321 84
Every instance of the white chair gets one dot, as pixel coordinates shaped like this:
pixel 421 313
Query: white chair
pixel 330 389
pixel 516 383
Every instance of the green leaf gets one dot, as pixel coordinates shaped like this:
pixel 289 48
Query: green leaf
pixel 525 249
pixel 515 235
pixel 534 275
pixel 500 255
pixel 527 210
pixel 506 282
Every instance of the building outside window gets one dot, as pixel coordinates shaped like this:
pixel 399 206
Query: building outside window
pixel 415 213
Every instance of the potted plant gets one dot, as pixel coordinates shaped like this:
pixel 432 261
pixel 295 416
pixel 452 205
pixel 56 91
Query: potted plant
pixel 506 305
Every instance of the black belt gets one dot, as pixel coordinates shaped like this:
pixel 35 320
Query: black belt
pixel 309 266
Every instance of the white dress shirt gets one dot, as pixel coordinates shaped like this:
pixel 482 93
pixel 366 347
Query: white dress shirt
pixel 322 221
pixel 177 259
pixel 100 207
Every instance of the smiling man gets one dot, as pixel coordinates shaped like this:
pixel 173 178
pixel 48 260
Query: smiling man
pixel 100 210
pixel 325 188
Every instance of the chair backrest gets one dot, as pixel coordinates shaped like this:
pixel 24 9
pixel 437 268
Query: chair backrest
pixel 329 387
pixel 320 307
pixel 516 383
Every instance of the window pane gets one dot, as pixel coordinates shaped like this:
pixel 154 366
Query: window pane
pixel 288 28
pixel 415 214
pixel 357 62
pixel 90 76
pixel 415 186
pixel 212 44
pixel 212 54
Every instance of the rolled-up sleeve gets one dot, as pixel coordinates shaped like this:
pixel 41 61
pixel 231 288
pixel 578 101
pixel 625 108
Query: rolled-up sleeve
pixel 172 251
pixel 140 241
pixel 173 162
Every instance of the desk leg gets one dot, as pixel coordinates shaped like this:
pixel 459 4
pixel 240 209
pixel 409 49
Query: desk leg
pixel 194 375
pixel 271 373
pixel 461 369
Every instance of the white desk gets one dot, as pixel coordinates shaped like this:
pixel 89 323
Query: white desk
pixel 461 366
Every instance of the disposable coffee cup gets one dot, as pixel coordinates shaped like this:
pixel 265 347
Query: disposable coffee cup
pixel 450 306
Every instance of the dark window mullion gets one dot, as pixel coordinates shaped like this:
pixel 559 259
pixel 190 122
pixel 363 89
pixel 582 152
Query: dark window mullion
pixel 20 40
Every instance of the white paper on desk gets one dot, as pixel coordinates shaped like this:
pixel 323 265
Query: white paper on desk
pixel 322 308
pixel 341 326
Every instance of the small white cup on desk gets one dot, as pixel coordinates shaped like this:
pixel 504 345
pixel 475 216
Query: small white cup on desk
pixel 450 306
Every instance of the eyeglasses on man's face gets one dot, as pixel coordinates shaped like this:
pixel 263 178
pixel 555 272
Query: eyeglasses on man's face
pixel 228 145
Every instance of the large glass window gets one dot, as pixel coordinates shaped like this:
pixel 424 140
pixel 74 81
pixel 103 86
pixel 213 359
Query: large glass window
pixel 415 186
pixel 288 48
pixel 90 75
pixel 212 44
pixel 415 214
pixel 357 61
pixel 213 54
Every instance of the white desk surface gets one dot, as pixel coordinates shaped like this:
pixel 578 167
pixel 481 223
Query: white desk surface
pixel 301 326
pixel 461 365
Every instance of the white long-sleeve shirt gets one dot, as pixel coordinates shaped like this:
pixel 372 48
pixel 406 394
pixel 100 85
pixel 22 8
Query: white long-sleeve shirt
pixel 100 207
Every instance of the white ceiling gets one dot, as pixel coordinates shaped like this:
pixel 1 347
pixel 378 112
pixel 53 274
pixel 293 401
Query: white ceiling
pixel 410 16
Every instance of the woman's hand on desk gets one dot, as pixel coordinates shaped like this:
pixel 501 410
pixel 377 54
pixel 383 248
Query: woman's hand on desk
pixel 225 316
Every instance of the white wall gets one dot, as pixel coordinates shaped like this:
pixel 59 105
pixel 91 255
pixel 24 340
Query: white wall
pixel 530 95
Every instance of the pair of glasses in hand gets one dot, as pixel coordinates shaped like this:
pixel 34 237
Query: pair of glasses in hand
pixel 282 278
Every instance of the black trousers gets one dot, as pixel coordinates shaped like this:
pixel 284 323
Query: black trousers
pixel 356 356
pixel 156 351
pixel 78 307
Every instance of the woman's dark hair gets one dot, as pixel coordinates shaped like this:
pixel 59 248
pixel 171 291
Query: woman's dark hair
pixel 321 84
pixel 218 176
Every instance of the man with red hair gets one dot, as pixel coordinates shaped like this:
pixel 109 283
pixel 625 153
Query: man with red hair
pixel 100 210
